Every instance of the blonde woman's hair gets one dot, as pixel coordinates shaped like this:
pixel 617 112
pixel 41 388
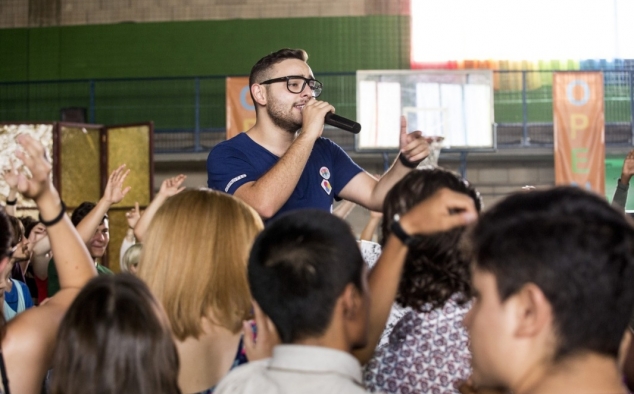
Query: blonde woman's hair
pixel 131 257
pixel 194 260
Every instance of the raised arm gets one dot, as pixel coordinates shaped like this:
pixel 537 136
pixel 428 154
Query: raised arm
pixel 268 194
pixel 132 217
pixel 169 187
pixel 441 212
pixel 370 193
pixel 114 193
pixel 11 177
pixel 30 338
pixel 370 228
pixel 623 184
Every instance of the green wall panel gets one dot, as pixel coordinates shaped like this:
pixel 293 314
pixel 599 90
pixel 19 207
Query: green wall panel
pixel 44 53
pixel 201 48
pixel 177 49
pixel 14 47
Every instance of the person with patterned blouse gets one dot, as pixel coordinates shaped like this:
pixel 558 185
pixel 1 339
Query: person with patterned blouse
pixel 424 348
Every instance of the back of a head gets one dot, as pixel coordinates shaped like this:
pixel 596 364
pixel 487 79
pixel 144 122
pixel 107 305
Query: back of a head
pixel 115 338
pixel 434 270
pixel 299 266
pixel 131 257
pixel 577 249
pixel 194 259
pixel 261 68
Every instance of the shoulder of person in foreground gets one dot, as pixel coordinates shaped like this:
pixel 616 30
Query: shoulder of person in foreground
pixel 247 378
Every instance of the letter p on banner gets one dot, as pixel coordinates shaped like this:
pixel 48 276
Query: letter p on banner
pixel 579 129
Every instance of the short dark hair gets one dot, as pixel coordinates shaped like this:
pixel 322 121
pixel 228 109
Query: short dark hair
pixel 299 266
pixel 81 211
pixel 115 338
pixel 260 69
pixel 29 223
pixel 434 269
pixel 17 230
pixel 577 249
pixel 6 235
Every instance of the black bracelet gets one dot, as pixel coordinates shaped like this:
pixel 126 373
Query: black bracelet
pixel 57 219
pixel 397 229
pixel 407 163
pixel 12 202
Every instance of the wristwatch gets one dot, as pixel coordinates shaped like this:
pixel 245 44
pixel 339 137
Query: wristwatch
pixel 408 240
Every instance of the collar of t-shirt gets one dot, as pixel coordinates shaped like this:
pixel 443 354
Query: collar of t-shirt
pixel 316 359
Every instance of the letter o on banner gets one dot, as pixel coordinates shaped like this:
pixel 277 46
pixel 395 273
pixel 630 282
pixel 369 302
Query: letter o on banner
pixel 243 99
pixel 570 92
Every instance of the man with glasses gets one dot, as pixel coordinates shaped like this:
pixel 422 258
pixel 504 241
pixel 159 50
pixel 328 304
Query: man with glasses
pixel 275 167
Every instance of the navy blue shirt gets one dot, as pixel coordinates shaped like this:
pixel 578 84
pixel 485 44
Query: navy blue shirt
pixel 240 160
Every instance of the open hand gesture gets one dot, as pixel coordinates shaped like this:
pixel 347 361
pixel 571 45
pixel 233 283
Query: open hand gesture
pixel 171 186
pixel 115 192
pixel 33 156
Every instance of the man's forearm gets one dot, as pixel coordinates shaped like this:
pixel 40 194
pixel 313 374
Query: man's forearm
pixel 385 184
pixel 269 193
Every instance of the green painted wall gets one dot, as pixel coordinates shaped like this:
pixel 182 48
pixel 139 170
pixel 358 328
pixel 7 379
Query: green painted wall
pixel 200 48
pixel 141 50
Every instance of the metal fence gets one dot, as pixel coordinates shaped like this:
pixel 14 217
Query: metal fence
pixel 189 112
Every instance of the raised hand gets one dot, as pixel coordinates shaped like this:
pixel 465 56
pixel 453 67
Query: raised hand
pixel 172 186
pixel 443 211
pixel 414 147
pixel 628 168
pixel 115 192
pixel 133 215
pixel 33 156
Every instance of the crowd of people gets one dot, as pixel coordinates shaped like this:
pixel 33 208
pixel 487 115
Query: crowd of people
pixel 256 285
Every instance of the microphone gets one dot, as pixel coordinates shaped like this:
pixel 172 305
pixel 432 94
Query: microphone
pixel 342 123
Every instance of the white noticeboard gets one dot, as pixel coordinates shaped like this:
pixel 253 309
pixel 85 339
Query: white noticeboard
pixel 454 104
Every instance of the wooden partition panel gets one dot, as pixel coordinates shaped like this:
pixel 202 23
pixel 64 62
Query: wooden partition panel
pixel 130 145
pixel 79 161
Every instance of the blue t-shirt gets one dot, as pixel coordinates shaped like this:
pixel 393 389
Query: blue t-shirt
pixel 240 160
pixel 12 297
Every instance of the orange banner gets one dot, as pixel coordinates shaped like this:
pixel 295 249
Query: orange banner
pixel 240 109
pixel 579 130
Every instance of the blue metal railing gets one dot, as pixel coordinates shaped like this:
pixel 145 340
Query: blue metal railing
pixel 189 112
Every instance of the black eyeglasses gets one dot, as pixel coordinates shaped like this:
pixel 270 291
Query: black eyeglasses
pixel 296 84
